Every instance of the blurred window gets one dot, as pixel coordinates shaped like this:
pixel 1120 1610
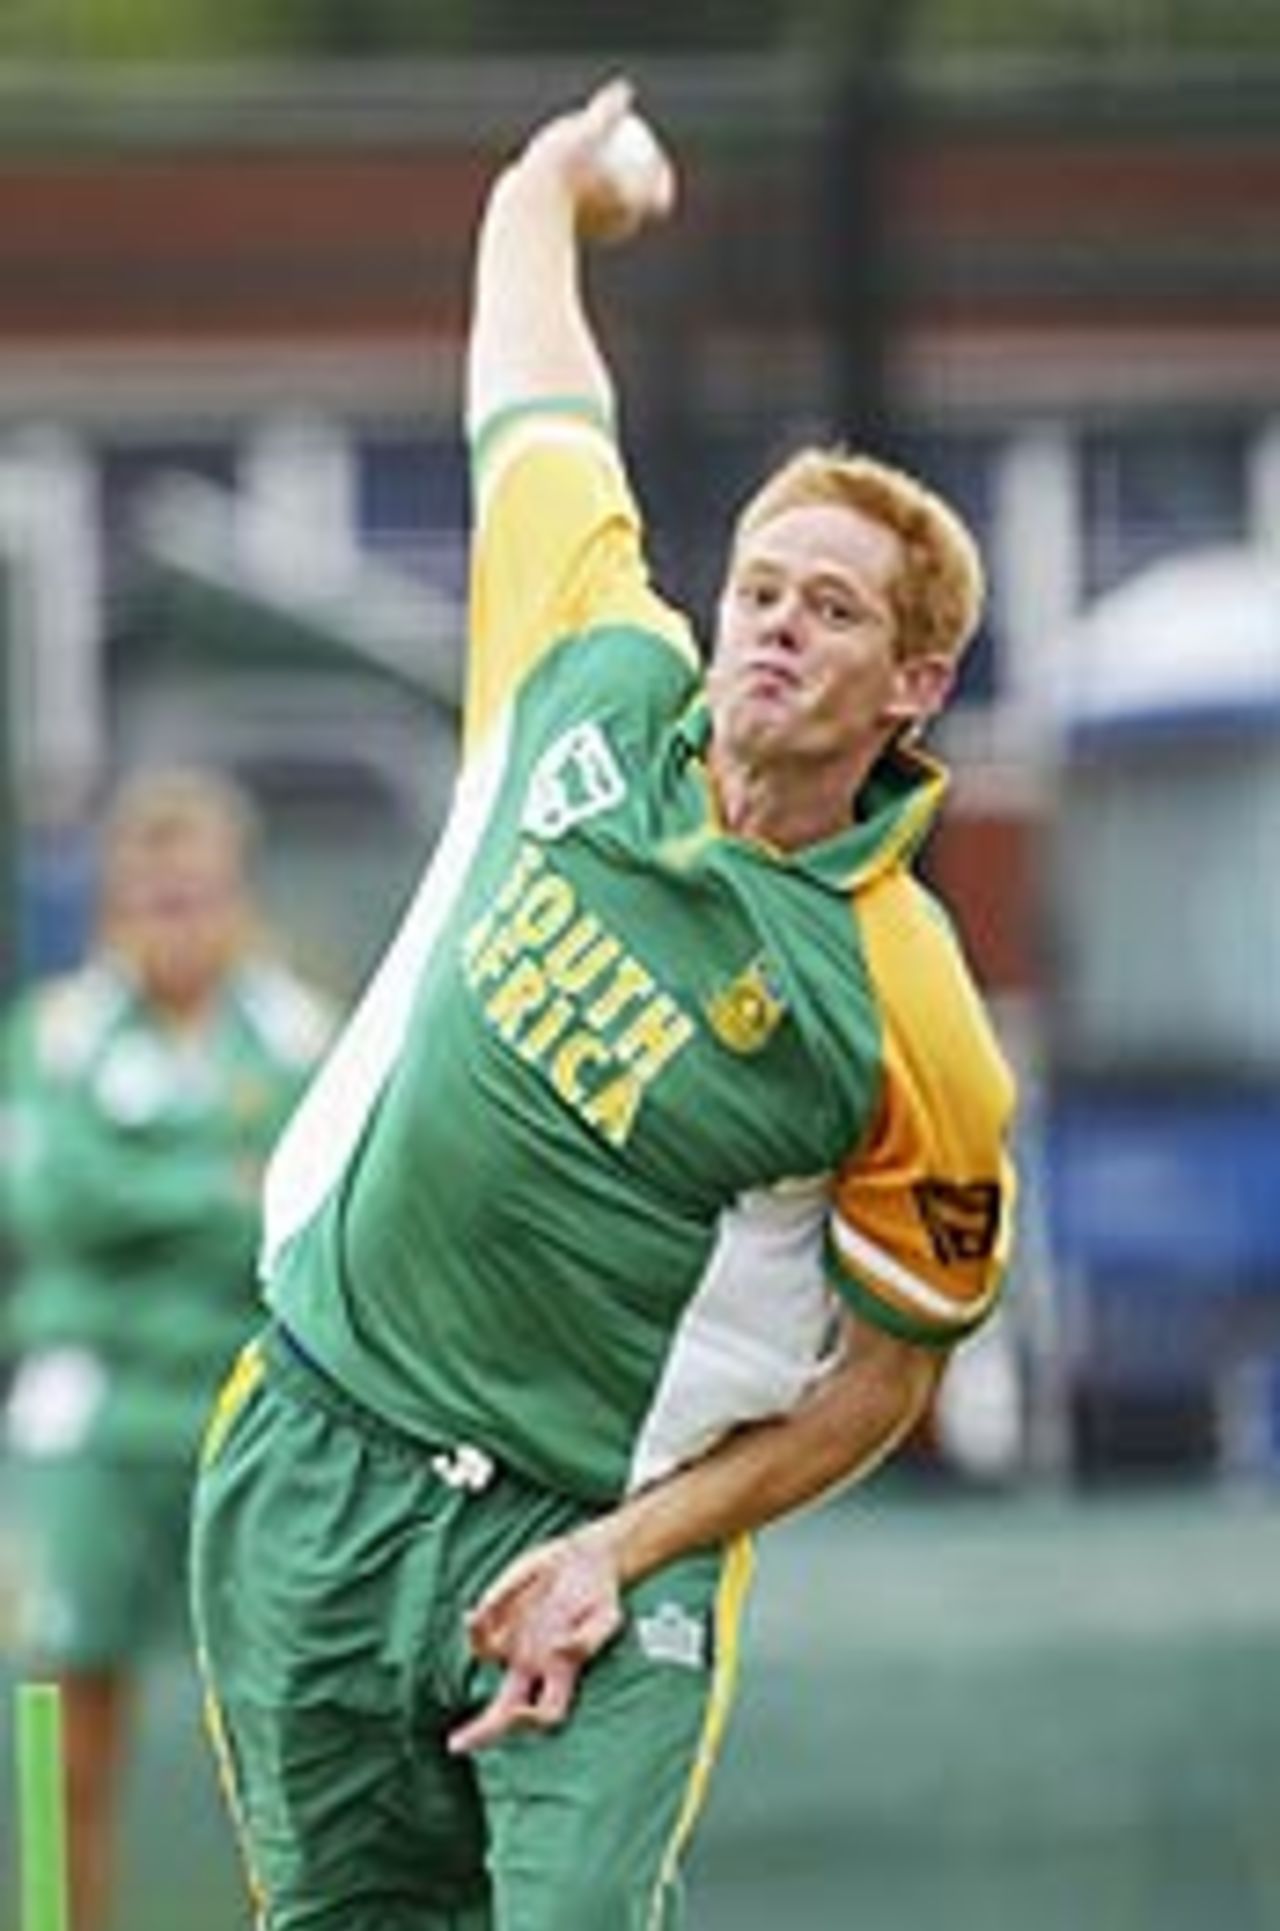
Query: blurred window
pixel 1167 909
pixel 127 470
pixel 411 505
pixel 342 848
pixel 691 479
pixel 1151 490
pixel 960 465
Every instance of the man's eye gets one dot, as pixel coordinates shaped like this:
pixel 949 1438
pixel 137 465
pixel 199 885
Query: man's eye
pixel 835 610
pixel 758 595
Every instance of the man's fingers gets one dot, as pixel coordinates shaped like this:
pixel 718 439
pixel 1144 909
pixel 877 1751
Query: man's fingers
pixel 524 1700
pixel 598 1624
pixel 498 1631
pixel 492 1619
pixel 555 1692
pixel 609 103
pixel 506 1710
pixel 510 1584
pixel 582 130
pixel 490 1633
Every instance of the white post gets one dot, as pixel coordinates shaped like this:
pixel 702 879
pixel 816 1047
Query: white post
pixel 1264 487
pixel 1037 564
pixel 51 538
pixel 1038 570
pixel 296 509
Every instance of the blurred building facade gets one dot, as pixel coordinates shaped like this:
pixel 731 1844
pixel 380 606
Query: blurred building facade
pixel 1059 300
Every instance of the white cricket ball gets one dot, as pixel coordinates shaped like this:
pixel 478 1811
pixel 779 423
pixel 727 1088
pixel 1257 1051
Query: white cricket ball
pixel 633 164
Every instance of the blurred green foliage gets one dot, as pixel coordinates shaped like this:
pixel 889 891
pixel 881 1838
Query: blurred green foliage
pixel 168 30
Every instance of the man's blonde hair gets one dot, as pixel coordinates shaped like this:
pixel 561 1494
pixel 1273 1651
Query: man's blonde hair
pixel 155 808
pixel 937 594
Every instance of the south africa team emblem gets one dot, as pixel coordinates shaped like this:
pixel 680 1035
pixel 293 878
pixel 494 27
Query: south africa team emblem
pixel 744 1014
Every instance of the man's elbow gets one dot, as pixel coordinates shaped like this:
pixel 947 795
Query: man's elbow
pixel 889 1385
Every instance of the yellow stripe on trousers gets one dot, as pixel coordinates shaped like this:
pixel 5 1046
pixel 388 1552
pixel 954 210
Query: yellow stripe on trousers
pixel 731 1600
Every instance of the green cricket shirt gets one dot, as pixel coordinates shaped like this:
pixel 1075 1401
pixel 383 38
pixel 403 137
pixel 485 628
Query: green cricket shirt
pixel 632 1105
pixel 133 1164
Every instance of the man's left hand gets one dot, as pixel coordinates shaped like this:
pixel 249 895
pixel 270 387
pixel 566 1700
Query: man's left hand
pixel 544 1618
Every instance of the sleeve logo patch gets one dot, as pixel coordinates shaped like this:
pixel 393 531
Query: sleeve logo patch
pixel 962 1218
pixel 575 778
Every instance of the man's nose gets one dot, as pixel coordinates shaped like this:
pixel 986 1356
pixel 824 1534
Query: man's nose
pixel 782 619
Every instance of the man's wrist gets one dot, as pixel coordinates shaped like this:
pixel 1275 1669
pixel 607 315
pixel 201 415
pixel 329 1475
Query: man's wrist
pixel 610 1539
pixel 630 1538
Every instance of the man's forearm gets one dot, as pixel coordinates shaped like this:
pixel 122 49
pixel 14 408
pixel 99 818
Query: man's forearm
pixel 561 1602
pixel 530 334
pixel 768 1469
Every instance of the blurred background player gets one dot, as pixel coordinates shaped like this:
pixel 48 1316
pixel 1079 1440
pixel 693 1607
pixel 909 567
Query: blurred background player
pixel 143 1093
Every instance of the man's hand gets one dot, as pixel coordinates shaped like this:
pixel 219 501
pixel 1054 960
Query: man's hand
pixel 619 175
pixel 547 1614
pixel 556 1607
pixel 530 333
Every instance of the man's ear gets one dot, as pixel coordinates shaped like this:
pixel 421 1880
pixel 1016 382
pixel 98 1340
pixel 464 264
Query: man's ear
pixel 922 686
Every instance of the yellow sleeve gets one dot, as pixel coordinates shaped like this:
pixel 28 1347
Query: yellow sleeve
pixel 921 1221
pixel 558 549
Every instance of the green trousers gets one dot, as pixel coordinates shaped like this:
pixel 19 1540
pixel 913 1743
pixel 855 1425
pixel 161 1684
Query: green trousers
pixel 333 1561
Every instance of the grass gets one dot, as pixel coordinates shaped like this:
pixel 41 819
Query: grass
pixel 997 1711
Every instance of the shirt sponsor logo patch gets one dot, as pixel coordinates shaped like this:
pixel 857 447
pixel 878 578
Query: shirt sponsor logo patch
pixel 745 1014
pixel 577 777
pixel 672 1634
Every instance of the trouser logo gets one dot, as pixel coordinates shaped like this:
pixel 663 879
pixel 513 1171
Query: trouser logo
pixel 464 1467
pixel 672 1634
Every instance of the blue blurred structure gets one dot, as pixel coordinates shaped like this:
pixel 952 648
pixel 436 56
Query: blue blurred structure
pixel 54 887
pixel 1163 1132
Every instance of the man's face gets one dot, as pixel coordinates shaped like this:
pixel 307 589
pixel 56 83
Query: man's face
pixel 176 912
pixel 804 669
